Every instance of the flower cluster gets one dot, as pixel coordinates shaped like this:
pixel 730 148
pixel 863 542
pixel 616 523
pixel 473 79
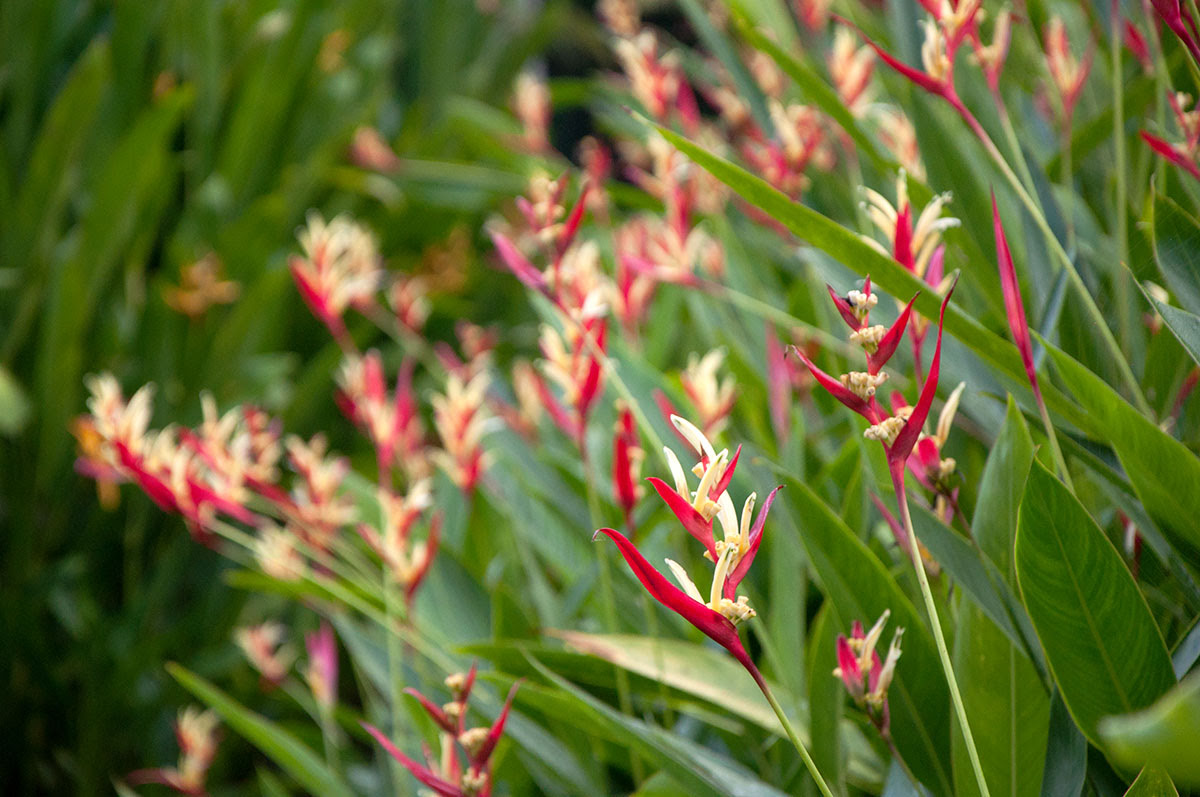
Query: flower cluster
pixel 446 774
pixel 718 613
pixel 866 677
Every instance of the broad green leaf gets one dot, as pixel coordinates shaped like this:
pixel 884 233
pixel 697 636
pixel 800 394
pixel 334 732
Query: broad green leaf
pixel 1183 325
pixel 278 744
pixel 1007 706
pixel 1177 249
pixel 697 768
pixel 1162 736
pixel 1102 644
pixel 1066 753
pixel 848 248
pixel 1152 782
pixel 994 525
pixel 1163 471
pixel 859 587
pixel 698 670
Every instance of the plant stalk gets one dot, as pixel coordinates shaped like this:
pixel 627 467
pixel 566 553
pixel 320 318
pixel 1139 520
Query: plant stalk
pixel 795 739
pixel 943 653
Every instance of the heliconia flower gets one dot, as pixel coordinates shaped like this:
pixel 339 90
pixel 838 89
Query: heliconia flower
pixel 991 57
pixel 409 299
pixel 898 433
pixel 696 510
pixel 571 364
pixel 200 288
pixel 531 103
pixel 461 418
pixel 1068 73
pixel 712 398
pixel 196 732
pixel 912 240
pixel 1178 18
pixel 656 81
pixel 898 135
pixel 276 552
pixel 264 649
pixel 621 17
pixel 322 670
pixel 1136 44
pixel 717 624
pixel 319 509
pixel 865 676
pixel 408 562
pixel 813 13
pixel 1013 305
pixel 369 150
pixel 851 67
pixel 340 268
pixel 447 777
pixel 627 463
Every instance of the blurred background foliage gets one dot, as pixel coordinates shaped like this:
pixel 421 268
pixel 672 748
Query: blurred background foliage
pixel 138 140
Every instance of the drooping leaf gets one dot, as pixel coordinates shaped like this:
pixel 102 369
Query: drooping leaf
pixel 700 770
pixel 1162 736
pixel 278 744
pixel 1101 642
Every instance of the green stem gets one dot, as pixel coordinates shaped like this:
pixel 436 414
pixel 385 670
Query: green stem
pixel 943 653
pixel 1056 248
pixel 795 739
pixel 1052 435
pixel 1124 319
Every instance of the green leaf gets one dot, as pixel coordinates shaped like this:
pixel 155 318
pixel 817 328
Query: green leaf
pixel 698 670
pixel 848 248
pixel 1006 705
pixel 1183 325
pixel 288 752
pixel 1102 644
pixel 1177 249
pixel 1163 736
pixel 1066 753
pixel 859 587
pixel 1163 471
pixel 994 525
pixel 14 404
pixel 1152 782
pixel 698 769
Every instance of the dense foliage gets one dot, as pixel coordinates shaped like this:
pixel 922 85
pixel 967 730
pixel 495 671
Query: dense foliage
pixel 420 335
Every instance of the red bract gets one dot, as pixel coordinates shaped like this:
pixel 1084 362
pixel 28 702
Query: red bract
pixel 710 622
pixel 419 771
pixel 627 458
pixel 1014 307
pixel 1181 23
pixel 1170 153
pixel 518 264
pixel 743 566
pixel 897 453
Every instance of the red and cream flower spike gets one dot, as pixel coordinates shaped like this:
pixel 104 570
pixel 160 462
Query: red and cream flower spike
pixel 1181 153
pixel 340 268
pixel 865 676
pixel 196 732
